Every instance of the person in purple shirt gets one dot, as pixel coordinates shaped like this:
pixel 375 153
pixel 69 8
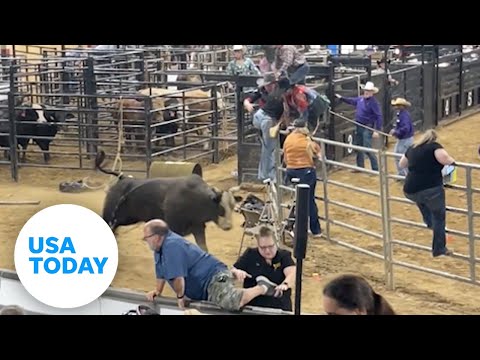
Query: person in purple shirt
pixel 403 131
pixel 368 114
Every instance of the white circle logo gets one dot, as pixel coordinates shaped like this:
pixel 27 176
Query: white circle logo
pixel 66 256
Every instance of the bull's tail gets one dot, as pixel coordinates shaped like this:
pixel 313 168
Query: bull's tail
pixel 99 159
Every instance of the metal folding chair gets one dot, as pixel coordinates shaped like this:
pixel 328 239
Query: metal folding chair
pixel 252 224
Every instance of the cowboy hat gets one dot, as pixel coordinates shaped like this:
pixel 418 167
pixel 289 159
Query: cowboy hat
pixel 237 47
pixel 268 78
pixel 401 101
pixel 299 123
pixel 369 86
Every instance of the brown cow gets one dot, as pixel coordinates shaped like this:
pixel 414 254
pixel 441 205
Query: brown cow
pixel 133 112
pixel 193 105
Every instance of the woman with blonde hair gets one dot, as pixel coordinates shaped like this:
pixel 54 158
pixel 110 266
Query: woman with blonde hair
pixel 424 185
pixel 299 151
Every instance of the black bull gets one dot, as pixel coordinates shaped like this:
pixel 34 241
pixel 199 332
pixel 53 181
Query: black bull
pixel 185 203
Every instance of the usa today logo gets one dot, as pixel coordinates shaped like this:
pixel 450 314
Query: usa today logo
pixel 66 256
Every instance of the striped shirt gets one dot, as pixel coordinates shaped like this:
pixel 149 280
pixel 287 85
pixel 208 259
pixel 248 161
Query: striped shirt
pixel 288 56
pixel 295 152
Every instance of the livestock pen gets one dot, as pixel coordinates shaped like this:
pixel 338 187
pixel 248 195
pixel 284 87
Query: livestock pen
pixel 415 292
pixel 92 99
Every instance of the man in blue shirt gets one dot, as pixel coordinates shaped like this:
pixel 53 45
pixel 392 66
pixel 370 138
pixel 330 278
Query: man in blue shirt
pixel 368 114
pixel 195 274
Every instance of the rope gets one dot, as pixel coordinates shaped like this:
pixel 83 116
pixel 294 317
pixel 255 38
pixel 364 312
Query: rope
pixel 224 115
pixel 356 123
pixel 120 143
pixel 118 160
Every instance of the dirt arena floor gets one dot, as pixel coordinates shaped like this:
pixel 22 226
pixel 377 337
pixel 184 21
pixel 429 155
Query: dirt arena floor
pixel 415 293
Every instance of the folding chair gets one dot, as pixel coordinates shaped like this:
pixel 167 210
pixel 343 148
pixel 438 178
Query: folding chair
pixel 251 226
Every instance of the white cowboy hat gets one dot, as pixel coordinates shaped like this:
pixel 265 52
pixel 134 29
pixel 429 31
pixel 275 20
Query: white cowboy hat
pixel 237 47
pixel 401 101
pixel 369 86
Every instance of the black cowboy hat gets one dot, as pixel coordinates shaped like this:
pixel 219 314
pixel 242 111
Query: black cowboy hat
pixel 268 78
pixel 300 123
pixel 284 83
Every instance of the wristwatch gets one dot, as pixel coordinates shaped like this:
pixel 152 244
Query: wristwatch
pixel 180 297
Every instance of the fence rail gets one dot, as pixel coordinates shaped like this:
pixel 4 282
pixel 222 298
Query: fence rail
pixel 86 96
pixel 394 250
pixel 442 83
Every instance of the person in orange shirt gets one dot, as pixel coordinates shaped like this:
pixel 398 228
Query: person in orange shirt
pixel 299 151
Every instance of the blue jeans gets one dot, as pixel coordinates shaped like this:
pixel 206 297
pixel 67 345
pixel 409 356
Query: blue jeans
pixel 431 203
pixel 308 176
pixel 266 166
pixel 363 137
pixel 401 147
pixel 298 75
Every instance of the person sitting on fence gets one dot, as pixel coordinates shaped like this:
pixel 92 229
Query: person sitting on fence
pixel 271 110
pixel 381 65
pixel 193 273
pixel 403 131
pixel 308 104
pixel 271 262
pixel 299 151
pixel 353 295
pixel 241 65
pixel 424 185
pixel 291 62
pixel 368 114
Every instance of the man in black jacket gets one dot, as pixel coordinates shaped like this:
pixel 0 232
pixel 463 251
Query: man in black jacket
pixel 271 109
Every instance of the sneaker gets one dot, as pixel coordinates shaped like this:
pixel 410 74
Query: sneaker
pixel 270 285
pixel 448 252
pixel 315 236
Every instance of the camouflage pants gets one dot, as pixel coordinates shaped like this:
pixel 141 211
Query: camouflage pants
pixel 222 291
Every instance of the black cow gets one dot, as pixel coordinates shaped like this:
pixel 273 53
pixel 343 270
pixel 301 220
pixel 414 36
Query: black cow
pixel 185 203
pixel 32 123
pixel 171 127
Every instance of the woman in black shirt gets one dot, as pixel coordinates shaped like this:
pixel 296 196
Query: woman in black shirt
pixel 424 185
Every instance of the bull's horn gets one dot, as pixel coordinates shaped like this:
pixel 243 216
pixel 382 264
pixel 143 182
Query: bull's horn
pixel 216 189
pixel 235 189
